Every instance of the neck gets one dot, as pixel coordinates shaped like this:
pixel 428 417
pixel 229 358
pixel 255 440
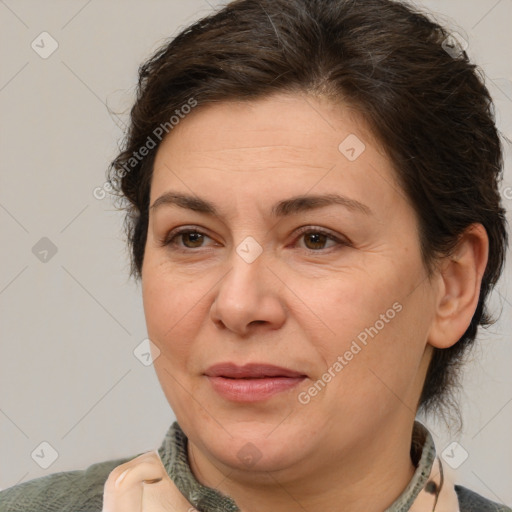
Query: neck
pixel 370 476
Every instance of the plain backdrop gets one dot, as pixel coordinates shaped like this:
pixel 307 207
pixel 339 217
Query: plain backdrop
pixel 70 317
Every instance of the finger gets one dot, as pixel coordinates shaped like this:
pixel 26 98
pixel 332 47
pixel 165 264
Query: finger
pixel 123 489
pixel 164 496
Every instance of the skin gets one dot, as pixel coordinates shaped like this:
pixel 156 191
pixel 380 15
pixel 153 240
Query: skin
pixel 300 304
pixel 142 485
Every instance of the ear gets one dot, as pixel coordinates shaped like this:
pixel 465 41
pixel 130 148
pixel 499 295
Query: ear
pixel 459 278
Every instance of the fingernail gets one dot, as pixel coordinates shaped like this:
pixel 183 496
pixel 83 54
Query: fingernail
pixel 120 478
pixel 153 481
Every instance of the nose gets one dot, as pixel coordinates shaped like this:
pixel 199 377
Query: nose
pixel 248 298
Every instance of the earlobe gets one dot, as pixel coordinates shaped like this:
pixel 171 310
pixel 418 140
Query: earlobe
pixel 460 278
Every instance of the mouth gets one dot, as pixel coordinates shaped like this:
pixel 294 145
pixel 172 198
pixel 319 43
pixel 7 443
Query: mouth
pixel 252 382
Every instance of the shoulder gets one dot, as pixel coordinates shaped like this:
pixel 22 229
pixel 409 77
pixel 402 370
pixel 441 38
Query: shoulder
pixel 470 501
pixel 69 491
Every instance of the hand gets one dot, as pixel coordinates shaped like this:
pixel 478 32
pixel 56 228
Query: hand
pixel 143 485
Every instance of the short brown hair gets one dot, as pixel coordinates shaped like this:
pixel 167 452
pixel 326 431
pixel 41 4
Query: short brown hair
pixel 428 107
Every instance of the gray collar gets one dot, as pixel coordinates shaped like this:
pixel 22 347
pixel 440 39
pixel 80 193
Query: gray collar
pixel 423 454
pixel 173 453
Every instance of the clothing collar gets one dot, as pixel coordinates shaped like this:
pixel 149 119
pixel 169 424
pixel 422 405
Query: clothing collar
pixel 427 489
pixel 423 453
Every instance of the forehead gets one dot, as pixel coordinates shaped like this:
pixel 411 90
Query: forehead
pixel 297 122
pixel 285 143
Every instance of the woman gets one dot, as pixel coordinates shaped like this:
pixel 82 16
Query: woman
pixel 313 212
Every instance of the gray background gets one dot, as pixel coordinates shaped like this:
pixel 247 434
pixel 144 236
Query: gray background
pixel 69 325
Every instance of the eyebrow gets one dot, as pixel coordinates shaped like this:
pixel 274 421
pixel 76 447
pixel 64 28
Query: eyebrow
pixel 283 208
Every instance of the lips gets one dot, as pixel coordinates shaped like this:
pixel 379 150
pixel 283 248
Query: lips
pixel 250 371
pixel 254 382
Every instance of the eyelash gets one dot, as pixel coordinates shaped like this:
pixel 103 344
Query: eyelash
pixel 170 240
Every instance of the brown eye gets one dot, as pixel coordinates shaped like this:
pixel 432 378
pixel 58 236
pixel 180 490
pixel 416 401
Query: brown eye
pixel 315 241
pixel 186 240
pixel 192 239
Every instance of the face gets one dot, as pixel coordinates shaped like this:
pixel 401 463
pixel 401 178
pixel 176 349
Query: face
pixel 283 285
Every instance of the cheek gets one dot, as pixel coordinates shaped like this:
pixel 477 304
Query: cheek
pixel 174 313
pixel 174 309
pixel 374 330
pixel 352 304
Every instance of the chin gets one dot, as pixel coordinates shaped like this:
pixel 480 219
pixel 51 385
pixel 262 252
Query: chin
pixel 252 446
